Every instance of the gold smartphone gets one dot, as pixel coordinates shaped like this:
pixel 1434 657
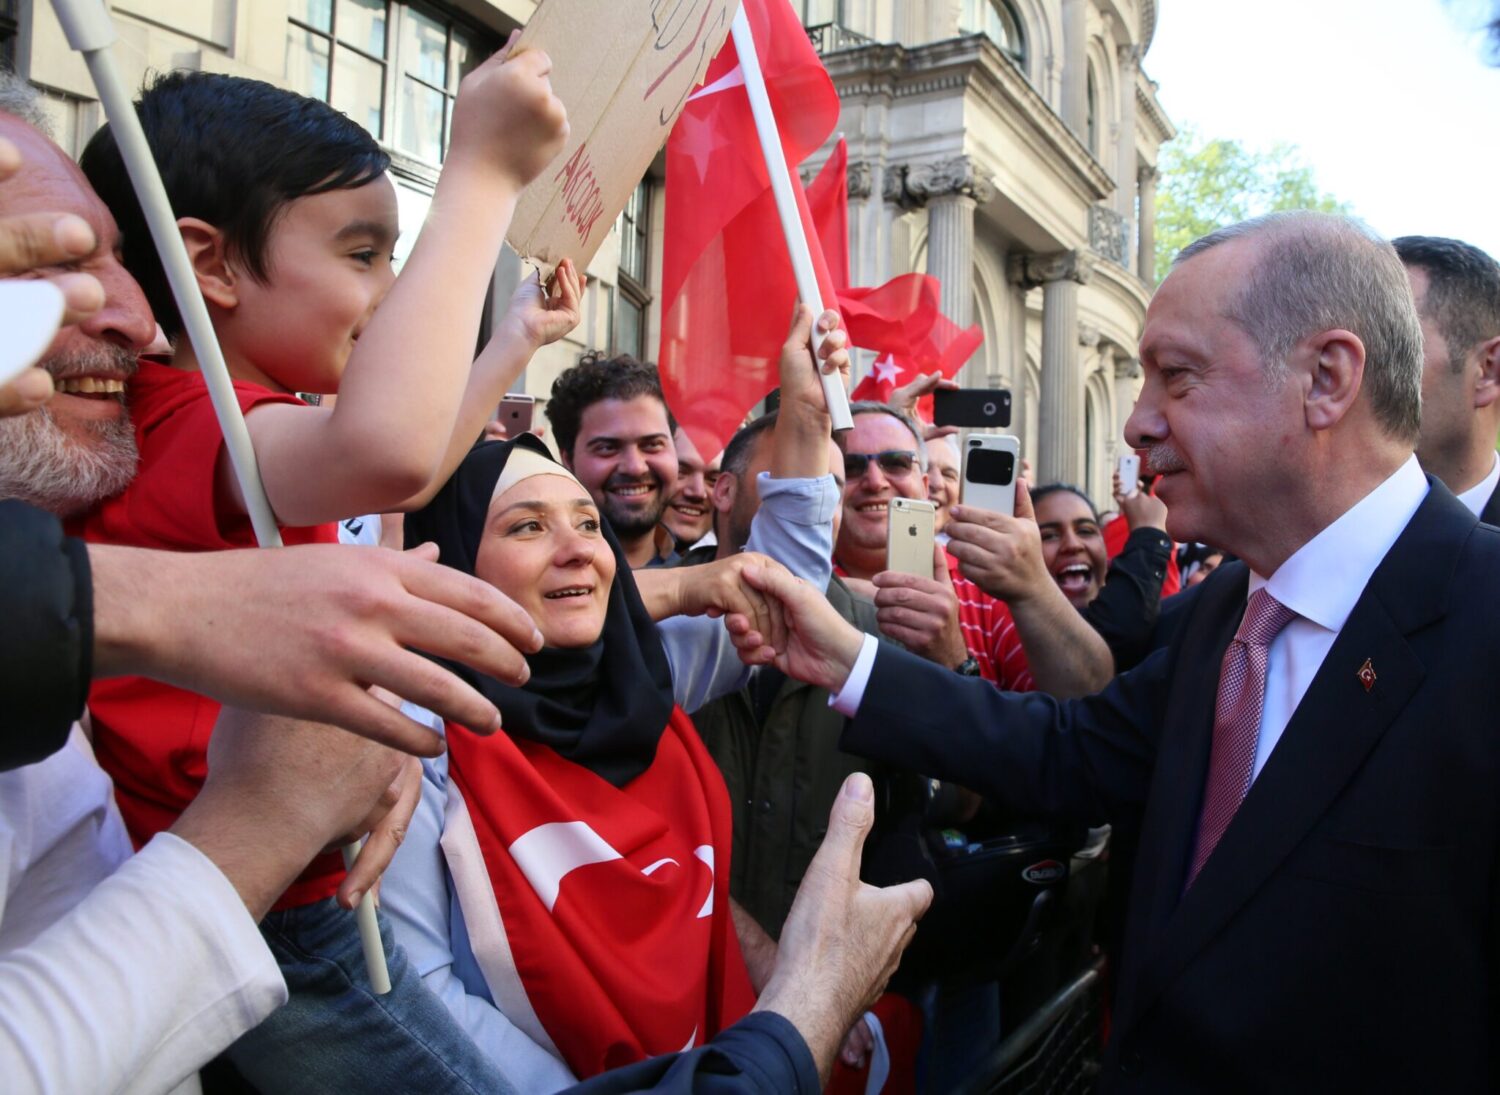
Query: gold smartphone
pixel 909 536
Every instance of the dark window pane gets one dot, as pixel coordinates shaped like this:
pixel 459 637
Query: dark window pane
pixel 362 25
pixel 315 13
pixel 357 89
pixel 421 120
pixel 425 50
pixel 630 327
pixel 307 62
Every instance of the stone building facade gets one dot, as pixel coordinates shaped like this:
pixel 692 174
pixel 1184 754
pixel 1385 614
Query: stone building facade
pixel 1006 146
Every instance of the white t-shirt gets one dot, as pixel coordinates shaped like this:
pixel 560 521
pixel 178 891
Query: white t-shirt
pixel 117 973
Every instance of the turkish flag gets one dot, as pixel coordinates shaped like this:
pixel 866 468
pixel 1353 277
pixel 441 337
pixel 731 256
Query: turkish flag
pixel 901 320
pixel 727 283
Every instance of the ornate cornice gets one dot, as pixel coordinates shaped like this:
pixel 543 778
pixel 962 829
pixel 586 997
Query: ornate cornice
pixel 975 66
pixel 1148 23
pixel 1059 266
pixel 1127 367
pixel 861 180
pixel 937 179
pixel 1145 103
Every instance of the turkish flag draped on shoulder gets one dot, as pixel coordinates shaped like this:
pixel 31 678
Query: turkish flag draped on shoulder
pixel 727 283
pixel 900 320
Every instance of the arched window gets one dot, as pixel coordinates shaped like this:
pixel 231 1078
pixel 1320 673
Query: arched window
pixel 1092 95
pixel 999 22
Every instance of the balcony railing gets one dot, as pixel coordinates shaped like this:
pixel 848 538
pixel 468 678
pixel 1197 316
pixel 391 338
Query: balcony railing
pixel 831 37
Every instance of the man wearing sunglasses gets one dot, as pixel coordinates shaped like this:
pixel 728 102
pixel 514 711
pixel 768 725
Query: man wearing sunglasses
pixel 946 618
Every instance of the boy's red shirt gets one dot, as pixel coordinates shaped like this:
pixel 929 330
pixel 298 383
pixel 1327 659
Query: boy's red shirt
pixel 150 737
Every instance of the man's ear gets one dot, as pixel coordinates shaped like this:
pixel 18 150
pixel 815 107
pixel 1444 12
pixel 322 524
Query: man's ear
pixel 1337 361
pixel 1487 385
pixel 726 487
pixel 209 253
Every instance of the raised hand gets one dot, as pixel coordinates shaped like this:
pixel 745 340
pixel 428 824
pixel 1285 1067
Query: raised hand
pixel 1000 554
pixel 922 613
pixel 506 117
pixel 843 939
pixel 538 318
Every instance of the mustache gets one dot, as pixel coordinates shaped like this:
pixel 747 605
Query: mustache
pixel 620 480
pixel 101 358
pixel 1162 459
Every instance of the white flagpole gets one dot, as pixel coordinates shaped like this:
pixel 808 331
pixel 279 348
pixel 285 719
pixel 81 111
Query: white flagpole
pixel 786 206
pixel 90 31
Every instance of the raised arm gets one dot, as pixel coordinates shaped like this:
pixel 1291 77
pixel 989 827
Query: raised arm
pixel 386 436
pixel 1003 556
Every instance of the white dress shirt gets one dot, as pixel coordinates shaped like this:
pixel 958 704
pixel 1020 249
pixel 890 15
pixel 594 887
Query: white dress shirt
pixel 1478 496
pixel 1321 582
pixel 117 973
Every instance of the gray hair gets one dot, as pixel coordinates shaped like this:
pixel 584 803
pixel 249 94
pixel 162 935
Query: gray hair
pixel 1317 272
pixel 19 98
pixel 870 406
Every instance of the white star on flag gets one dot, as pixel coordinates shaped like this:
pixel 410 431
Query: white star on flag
pixel 886 370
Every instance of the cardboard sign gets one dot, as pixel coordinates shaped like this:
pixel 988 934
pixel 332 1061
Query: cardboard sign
pixel 624 69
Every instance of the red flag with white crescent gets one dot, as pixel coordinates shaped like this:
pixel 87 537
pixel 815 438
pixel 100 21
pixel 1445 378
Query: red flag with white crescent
pixel 599 915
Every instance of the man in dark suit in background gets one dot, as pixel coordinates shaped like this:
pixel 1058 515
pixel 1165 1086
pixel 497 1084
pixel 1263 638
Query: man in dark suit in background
pixel 1457 289
pixel 1313 773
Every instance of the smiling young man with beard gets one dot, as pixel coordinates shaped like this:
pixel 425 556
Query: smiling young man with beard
pixel 614 432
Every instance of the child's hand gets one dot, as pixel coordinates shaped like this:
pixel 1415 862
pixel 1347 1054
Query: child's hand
pixel 539 319
pixel 506 117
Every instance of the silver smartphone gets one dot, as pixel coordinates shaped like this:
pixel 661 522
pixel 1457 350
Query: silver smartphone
pixel 992 463
pixel 910 530
pixel 1130 474
pixel 515 413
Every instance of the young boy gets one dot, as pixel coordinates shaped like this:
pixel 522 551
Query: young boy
pixel 289 219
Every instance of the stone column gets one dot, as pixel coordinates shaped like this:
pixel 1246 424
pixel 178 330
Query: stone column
pixel 1075 107
pixel 951 190
pixel 1147 268
pixel 1060 452
pixel 1125 166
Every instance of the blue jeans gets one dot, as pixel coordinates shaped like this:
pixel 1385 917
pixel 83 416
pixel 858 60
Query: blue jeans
pixel 335 1035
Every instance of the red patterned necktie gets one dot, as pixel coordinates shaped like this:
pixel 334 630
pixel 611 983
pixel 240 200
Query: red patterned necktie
pixel 1242 694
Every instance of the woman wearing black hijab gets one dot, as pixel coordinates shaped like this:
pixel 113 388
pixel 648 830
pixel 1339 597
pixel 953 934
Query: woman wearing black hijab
pixel 565 885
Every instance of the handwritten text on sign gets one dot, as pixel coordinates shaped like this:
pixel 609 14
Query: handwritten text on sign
pixel 624 69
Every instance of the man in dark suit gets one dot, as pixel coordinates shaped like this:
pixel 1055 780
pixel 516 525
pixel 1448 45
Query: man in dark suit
pixel 1314 773
pixel 1457 289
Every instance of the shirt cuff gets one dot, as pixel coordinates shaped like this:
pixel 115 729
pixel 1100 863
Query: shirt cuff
pixel 800 501
pixel 847 699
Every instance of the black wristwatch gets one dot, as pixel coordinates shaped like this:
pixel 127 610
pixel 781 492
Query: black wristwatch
pixel 969 667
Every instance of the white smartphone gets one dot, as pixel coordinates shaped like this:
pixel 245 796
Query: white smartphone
pixel 1130 473
pixel 992 463
pixel 911 527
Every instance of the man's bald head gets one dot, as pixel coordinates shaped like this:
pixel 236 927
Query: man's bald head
pixel 80 448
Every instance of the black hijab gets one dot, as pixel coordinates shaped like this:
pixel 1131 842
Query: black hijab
pixel 603 706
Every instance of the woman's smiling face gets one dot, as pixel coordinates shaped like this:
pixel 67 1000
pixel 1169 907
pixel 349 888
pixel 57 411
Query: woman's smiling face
pixel 544 548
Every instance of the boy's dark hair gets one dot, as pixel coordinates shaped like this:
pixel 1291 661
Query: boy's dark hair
pixel 234 153
pixel 1066 488
pixel 597 377
pixel 1463 290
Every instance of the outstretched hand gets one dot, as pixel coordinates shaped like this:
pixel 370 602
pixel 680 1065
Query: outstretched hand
pixel 1000 554
pixel 843 939
pixel 819 646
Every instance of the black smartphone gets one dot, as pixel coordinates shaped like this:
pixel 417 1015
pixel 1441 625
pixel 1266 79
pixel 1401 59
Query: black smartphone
pixel 973 408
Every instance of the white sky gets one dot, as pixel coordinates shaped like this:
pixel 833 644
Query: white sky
pixel 1390 101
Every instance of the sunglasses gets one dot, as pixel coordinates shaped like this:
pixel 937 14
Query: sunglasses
pixel 895 463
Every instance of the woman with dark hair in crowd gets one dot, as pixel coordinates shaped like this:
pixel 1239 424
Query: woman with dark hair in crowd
pixel 1121 597
pixel 564 888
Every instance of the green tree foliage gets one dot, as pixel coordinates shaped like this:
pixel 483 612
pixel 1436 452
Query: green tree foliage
pixel 1206 184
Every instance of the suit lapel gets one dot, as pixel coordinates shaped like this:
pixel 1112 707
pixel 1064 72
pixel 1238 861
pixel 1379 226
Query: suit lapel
pixel 1171 816
pixel 1333 730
